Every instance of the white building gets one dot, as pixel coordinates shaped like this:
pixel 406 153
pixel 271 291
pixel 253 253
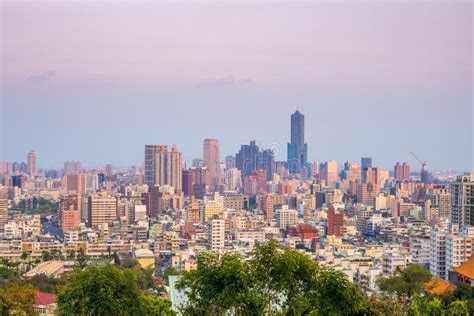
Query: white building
pixel 438 253
pixel 216 234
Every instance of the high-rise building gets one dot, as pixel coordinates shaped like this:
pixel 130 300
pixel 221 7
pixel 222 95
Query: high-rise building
pixel 3 214
pixel 233 179
pixel 440 198
pixel 365 162
pixel 102 210
pixel 109 170
pixel 75 183
pixel 267 205
pixel 31 162
pixel 287 217
pixel 212 161
pixel 72 167
pixel 229 162
pixel 266 161
pixel 70 219
pixel 297 149
pixel 216 234
pixel 335 222
pixel 462 200
pixel 247 158
pixel 6 167
pixel 188 180
pixel 401 172
pixel 329 172
pixel 351 171
pixel 163 167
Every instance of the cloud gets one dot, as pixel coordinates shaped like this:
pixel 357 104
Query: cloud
pixel 42 77
pixel 228 81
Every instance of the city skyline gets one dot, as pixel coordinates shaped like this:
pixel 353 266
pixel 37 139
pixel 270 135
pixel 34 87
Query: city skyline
pixel 363 92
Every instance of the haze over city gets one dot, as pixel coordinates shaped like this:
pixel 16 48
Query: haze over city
pixel 376 79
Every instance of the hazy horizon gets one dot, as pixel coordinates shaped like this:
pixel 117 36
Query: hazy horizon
pixel 96 81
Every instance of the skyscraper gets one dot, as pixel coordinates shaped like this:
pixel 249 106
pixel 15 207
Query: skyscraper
pixel 297 149
pixel 365 162
pixel 462 200
pixel 163 167
pixel 401 172
pixel 102 210
pixel 246 159
pixel 31 163
pixel 211 160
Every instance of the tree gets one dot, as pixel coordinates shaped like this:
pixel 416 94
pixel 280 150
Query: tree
pixel 47 256
pixel 155 307
pixel 7 274
pixel 274 281
pixel 406 281
pixel 45 283
pixel 100 291
pixel 81 259
pixel 17 299
pixel 109 290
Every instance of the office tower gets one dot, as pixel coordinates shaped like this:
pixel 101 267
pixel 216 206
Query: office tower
pixel 31 162
pixel 365 162
pixel 266 161
pixel 108 170
pixel 102 210
pixel 212 161
pixel 201 181
pixel 367 193
pixel 267 205
pixel 297 149
pixel 233 179
pixel 371 175
pixel 229 162
pixel 75 184
pixel 246 160
pixel 211 209
pixel 440 198
pixel 216 234
pixel 351 171
pixel 163 167
pixel 462 200
pixel 3 214
pixel 6 167
pixel 72 167
pixel 335 222
pixel 188 180
pixel 329 173
pixel 16 181
pixel 401 172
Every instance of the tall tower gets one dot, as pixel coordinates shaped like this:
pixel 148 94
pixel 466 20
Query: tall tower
pixel 211 160
pixel 163 167
pixel 31 162
pixel 297 149
pixel 462 200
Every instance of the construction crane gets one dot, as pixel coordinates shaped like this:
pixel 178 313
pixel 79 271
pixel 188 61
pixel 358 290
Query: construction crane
pixel 423 163
pixel 424 174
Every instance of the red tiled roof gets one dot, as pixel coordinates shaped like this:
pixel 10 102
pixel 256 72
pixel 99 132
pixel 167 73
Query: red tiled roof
pixel 467 268
pixel 43 298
